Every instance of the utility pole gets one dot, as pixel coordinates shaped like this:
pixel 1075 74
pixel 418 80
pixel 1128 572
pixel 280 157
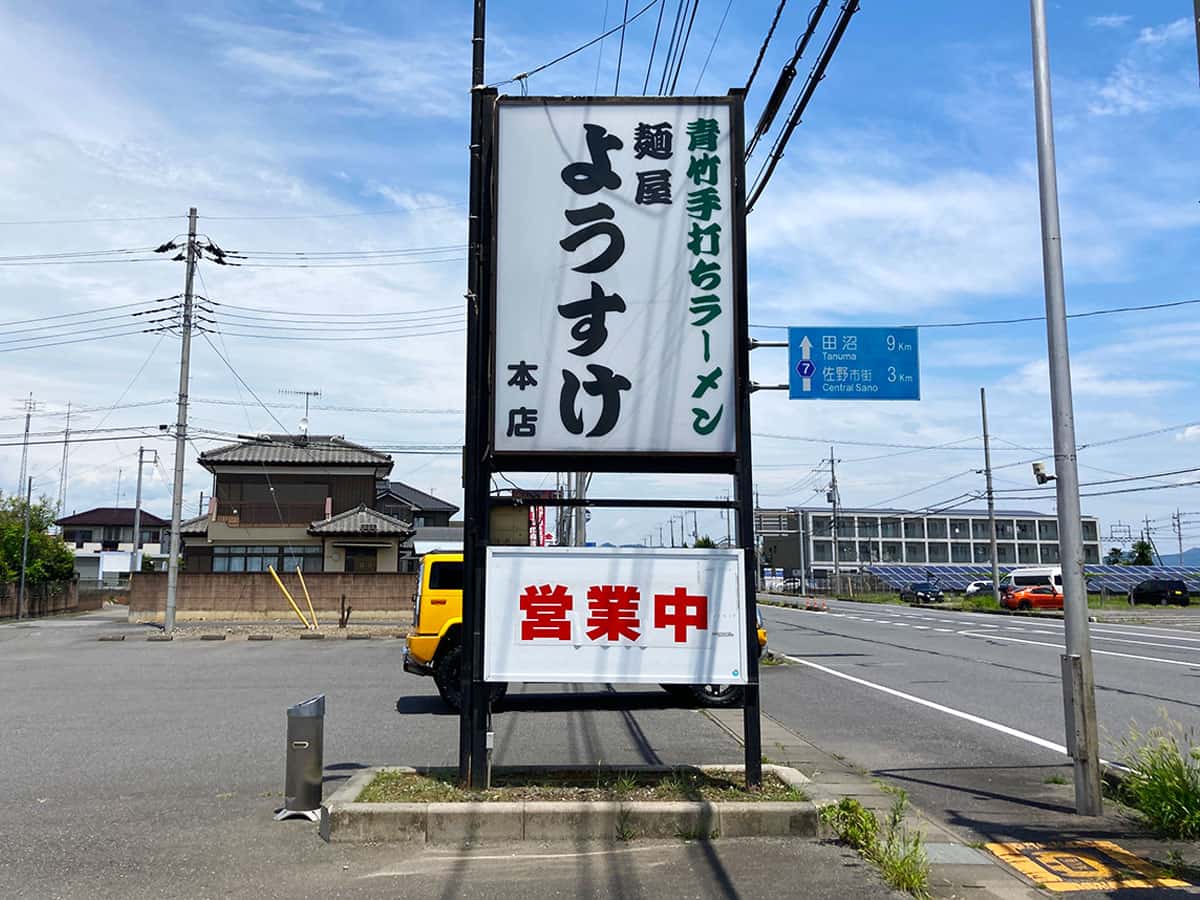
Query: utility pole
pixel 660 540
pixel 120 474
pixel 991 500
pixel 135 562
pixel 1078 677
pixel 200 508
pixel 24 546
pixel 30 405
pixel 185 353
pixel 833 498
pixel 1150 540
pixel 62 470
pixel 1177 519
pixel 582 481
pixel 695 528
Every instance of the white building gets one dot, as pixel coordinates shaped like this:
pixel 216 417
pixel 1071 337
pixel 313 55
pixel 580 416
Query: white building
pixel 805 537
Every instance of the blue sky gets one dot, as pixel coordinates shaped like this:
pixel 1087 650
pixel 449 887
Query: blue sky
pixel 907 196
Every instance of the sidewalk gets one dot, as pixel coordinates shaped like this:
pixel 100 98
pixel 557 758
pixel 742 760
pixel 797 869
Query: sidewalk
pixel 1008 808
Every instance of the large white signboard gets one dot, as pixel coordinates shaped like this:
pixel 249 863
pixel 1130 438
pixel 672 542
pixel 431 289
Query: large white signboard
pixel 595 615
pixel 614 317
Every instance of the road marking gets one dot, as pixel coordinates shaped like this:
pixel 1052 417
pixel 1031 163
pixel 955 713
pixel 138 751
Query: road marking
pixel 1001 637
pixel 945 630
pixel 506 857
pixel 957 713
pixel 1082 866
pixel 920 627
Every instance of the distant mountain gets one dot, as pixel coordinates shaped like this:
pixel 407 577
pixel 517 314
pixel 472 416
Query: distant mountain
pixel 1190 558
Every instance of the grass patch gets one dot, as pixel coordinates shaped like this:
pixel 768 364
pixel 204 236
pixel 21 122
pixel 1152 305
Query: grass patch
pixel 772 659
pixel 441 786
pixel 978 603
pixel 898 853
pixel 1164 779
pixel 1054 779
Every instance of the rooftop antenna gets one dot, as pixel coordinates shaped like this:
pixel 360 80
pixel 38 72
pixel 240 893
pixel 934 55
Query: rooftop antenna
pixel 307 395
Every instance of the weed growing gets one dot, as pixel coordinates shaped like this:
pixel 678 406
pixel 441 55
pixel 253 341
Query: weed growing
pixel 898 853
pixel 1164 779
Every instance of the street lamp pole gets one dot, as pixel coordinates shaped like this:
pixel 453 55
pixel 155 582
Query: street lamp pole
pixel 1078 680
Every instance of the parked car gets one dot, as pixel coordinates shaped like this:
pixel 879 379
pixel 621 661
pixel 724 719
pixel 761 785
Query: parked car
pixel 1041 597
pixel 1161 591
pixel 978 587
pixel 1031 576
pixel 922 592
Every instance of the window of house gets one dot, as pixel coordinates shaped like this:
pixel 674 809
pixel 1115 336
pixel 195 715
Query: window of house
pixel 914 528
pixel 1050 553
pixel 1089 531
pixel 868 526
pixel 960 528
pixel 1004 530
pixel 936 528
pixel 236 558
pixel 939 553
pixel 892 552
pixel 846 551
pixel 980 529
pixel 823 551
pixel 1048 531
pixel 960 552
pixel 1027 553
pixel 1026 530
pixel 914 552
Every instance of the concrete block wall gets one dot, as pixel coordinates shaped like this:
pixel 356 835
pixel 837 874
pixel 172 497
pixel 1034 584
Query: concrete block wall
pixel 254 595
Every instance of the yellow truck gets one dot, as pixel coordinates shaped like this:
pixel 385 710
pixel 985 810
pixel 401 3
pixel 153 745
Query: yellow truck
pixel 434 646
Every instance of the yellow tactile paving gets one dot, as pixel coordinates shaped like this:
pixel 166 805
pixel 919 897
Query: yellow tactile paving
pixel 1082 866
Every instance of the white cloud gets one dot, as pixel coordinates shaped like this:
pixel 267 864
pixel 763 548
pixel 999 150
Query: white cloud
pixel 1150 77
pixel 1111 21
pixel 1191 433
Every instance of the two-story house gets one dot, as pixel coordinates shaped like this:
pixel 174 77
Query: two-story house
pixel 288 500
pixel 102 541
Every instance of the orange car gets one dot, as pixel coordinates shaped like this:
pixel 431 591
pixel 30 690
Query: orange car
pixel 1042 597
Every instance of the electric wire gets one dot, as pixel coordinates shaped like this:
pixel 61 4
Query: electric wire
pixel 675 32
pixel 683 46
pixel 762 51
pixel 712 47
pixel 524 76
pixel 662 5
pixel 621 50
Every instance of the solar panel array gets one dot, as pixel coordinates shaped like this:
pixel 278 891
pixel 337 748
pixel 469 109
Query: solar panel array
pixel 1115 579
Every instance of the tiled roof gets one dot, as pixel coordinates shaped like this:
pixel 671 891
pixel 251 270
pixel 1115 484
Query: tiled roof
pixel 362 520
pixel 112 515
pixel 196 526
pixel 418 500
pixel 296 450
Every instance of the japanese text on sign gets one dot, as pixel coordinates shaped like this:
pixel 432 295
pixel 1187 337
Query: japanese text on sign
pixel 584 614
pixel 614 326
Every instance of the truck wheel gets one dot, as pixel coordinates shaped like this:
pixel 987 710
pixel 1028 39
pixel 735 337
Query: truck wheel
pixel 447 675
pixel 717 695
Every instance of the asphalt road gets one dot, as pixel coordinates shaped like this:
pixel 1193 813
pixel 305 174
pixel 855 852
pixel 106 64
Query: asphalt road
pixel 139 769
pixel 965 710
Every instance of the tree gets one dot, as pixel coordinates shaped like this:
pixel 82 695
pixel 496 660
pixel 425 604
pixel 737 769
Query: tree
pixel 1114 558
pixel 50 559
pixel 1143 554
pixel 705 541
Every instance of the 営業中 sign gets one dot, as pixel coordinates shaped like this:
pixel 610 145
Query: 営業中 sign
pixel 598 615
pixel 835 363
pixel 614 276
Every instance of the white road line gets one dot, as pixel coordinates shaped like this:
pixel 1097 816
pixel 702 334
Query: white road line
pixel 1001 637
pixel 920 628
pixel 1101 637
pixel 957 713
pixel 899 624
pixel 945 630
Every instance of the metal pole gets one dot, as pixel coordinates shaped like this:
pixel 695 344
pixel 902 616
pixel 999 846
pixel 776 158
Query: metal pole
pixel 991 501
pixel 185 354
pixel 743 467
pixel 62 471
pixel 24 549
pixel 473 757
pixel 29 404
pixel 837 569
pixel 1088 799
pixel 137 518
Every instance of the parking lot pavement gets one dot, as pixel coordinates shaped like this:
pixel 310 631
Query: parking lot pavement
pixel 150 769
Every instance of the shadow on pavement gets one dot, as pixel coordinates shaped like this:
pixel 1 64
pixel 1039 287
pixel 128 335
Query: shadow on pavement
pixel 620 701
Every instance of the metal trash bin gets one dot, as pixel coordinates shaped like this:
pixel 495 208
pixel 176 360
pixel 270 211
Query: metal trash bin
pixel 305 759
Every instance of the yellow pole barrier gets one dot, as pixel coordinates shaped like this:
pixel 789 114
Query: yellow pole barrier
pixel 271 569
pixel 312 612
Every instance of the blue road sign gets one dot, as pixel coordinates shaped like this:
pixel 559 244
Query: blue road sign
pixel 834 363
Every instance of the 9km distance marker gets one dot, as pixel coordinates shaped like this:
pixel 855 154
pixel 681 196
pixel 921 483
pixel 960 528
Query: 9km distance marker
pixel 830 363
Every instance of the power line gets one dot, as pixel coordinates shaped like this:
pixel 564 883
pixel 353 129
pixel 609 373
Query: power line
pixel 229 365
pixel 524 76
pixel 662 5
pixel 849 8
pixel 88 312
pixel 621 50
pixel 290 313
pixel 676 27
pixel 81 340
pixel 350 215
pixel 1108 311
pixel 712 47
pixel 762 51
pixel 88 221
pixel 683 46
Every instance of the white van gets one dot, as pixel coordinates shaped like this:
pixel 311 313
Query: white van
pixel 1032 577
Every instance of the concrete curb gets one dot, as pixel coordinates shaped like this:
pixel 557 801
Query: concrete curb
pixel 111 637
pixel 212 637
pixel 344 820
pixel 312 636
